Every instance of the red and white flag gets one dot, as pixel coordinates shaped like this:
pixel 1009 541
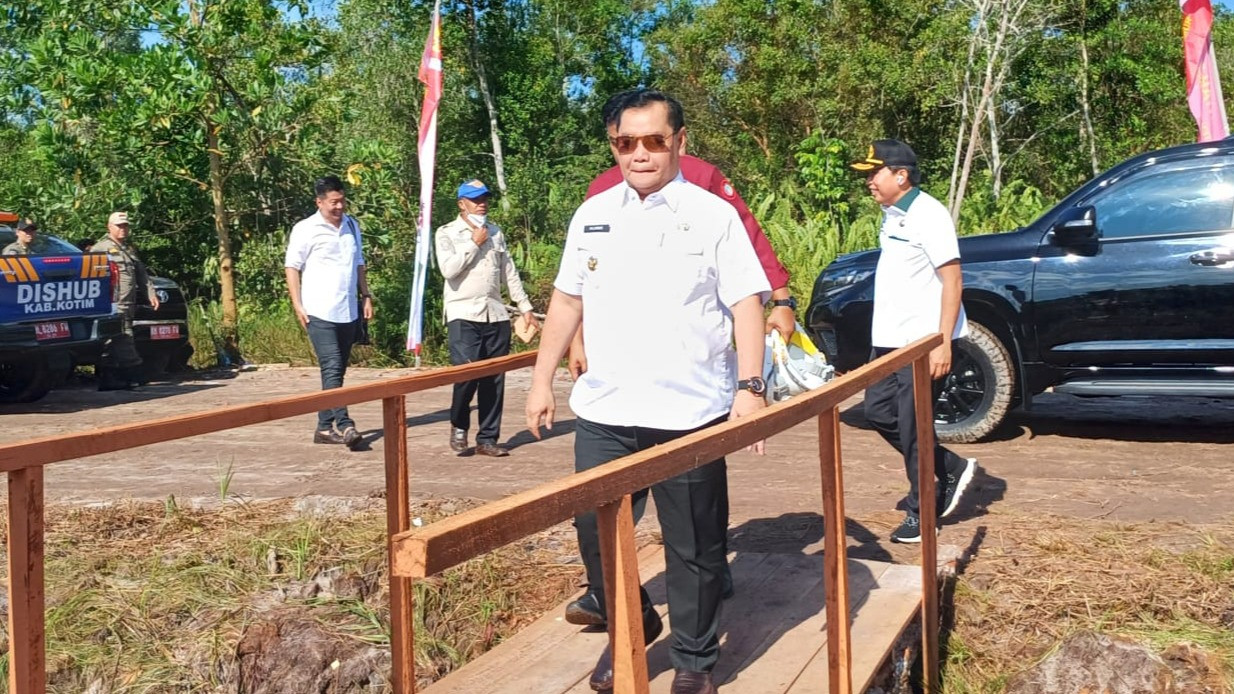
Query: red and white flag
pixel 430 75
pixel 1203 86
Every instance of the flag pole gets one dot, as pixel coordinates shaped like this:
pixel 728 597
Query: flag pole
pixel 431 75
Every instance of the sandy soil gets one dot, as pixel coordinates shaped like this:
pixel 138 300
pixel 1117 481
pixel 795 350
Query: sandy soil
pixel 1164 459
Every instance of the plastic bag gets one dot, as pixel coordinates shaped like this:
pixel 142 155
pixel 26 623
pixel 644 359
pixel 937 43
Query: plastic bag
pixel 794 367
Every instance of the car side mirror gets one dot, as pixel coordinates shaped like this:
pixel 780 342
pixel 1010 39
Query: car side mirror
pixel 1076 227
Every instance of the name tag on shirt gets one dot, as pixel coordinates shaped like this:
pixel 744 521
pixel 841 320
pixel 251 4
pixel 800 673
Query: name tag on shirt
pixel 595 229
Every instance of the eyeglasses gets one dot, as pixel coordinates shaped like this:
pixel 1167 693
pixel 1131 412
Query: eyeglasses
pixel 656 144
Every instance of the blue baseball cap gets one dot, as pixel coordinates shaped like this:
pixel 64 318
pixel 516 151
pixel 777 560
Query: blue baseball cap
pixel 473 189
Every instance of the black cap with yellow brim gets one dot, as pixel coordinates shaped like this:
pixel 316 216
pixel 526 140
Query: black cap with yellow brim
pixel 890 153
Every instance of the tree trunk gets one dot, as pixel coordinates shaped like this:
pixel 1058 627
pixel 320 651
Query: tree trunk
pixel 1084 108
pixel 227 280
pixel 975 132
pixel 499 160
pixel 996 159
pixel 964 91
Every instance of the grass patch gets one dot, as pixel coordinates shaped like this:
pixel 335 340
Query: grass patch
pixel 153 597
pixel 1036 581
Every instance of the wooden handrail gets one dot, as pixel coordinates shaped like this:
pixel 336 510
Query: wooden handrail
pixel 450 541
pixel 52 449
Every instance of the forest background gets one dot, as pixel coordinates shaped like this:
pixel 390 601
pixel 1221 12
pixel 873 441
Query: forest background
pixel 209 119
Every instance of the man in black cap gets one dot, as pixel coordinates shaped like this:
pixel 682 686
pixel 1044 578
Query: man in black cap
pixel 28 241
pixel 917 287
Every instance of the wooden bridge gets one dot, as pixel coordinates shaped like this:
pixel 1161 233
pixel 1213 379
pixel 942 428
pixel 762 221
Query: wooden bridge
pixel 790 628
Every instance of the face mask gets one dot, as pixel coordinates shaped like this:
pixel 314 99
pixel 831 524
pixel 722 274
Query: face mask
pixel 477 219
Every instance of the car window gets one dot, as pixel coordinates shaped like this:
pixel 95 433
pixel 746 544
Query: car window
pixel 1197 197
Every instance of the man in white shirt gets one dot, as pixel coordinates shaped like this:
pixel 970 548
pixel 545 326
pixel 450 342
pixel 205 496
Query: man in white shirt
pixel 472 255
pixel 669 281
pixel 917 288
pixel 325 267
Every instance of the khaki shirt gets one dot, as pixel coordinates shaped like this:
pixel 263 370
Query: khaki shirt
pixel 16 248
pixel 130 268
pixel 474 274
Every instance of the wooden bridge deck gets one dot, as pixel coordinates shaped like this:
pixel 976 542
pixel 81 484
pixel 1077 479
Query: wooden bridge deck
pixel 773 636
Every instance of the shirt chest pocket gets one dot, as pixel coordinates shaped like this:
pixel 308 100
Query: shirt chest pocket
pixel 684 268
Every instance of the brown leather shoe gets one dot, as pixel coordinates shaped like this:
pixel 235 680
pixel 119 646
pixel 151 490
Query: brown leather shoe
pixel 352 438
pixel 686 682
pixel 602 676
pixel 327 436
pixel 492 450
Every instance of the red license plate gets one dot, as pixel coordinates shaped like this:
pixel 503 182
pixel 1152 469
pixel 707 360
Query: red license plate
pixel 51 331
pixel 164 332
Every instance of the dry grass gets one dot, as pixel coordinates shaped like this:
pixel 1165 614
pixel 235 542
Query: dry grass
pixel 154 598
pixel 1037 580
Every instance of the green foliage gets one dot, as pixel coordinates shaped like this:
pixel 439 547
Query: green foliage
pixel 110 104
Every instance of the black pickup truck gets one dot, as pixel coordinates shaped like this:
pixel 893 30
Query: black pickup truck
pixel 1126 287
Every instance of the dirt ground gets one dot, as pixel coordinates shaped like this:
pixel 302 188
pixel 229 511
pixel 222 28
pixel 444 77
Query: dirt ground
pixel 1125 459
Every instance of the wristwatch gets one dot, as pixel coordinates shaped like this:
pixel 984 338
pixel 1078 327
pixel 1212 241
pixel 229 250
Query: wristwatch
pixel 789 302
pixel 754 384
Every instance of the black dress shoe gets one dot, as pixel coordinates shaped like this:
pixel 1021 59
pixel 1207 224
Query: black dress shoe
pixel 492 450
pixel 602 676
pixel 686 682
pixel 327 436
pixel 585 610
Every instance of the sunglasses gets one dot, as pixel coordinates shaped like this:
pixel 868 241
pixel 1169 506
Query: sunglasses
pixel 656 144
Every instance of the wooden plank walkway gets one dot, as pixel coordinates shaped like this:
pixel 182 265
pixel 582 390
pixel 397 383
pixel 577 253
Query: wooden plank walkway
pixel 773 636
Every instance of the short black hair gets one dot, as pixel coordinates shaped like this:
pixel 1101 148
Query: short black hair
pixel 640 98
pixel 328 184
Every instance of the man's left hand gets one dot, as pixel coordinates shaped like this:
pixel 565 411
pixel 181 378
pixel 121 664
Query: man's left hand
pixel 745 404
pixel 531 320
pixel 368 308
pixel 781 318
pixel 940 360
pixel 155 303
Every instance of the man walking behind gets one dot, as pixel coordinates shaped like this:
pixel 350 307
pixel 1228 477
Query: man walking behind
pixel 917 288
pixel 669 282
pixel 28 240
pixel 120 362
pixel 472 255
pixel 325 268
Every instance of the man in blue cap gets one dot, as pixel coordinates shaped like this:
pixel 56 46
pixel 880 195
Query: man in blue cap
pixel 472 255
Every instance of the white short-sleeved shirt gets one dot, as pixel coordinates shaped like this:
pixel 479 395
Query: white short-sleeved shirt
pixel 657 278
pixel 328 258
pixel 917 237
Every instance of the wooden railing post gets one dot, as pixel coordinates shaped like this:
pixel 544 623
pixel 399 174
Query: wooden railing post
pixel 621 588
pixel 27 647
pixel 835 555
pixel 398 520
pixel 923 396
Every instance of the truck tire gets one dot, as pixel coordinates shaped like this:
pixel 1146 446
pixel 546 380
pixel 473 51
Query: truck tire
pixel 25 379
pixel 974 398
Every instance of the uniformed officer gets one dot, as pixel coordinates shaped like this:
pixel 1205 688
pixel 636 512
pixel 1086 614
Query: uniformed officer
pixel 120 360
pixel 474 260
pixel 28 240
pixel 669 282
pixel 917 288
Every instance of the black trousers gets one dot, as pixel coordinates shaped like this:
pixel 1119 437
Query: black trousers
pixel 693 517
pixel 472 341
pixel 891 411
pixel 332 344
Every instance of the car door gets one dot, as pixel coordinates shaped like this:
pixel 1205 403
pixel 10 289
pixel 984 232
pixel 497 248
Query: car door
pixel 1157 285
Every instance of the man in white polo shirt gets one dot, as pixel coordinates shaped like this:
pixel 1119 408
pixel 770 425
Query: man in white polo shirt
pixel 917 287
pixel 669 282
pixel 325 267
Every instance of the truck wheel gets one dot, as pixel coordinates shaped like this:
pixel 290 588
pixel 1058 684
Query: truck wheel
pixel 975 396
pixel 25 379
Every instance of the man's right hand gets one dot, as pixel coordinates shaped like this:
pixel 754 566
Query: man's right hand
pixel 479 234
pixel 541 404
